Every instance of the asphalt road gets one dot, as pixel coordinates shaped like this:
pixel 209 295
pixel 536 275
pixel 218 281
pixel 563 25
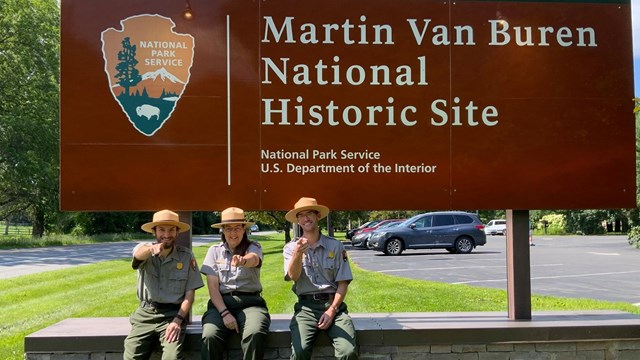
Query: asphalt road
pixel 595 267
pixel 20 262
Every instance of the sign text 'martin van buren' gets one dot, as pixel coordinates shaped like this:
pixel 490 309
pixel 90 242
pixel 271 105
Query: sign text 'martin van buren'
pixel 323 72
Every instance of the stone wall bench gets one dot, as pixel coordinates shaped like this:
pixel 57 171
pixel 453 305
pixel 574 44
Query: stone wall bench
pixel 586 335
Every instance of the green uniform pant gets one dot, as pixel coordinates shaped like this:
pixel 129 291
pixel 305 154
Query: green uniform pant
pixel 253 319
pixel 304 330
pixel 148 326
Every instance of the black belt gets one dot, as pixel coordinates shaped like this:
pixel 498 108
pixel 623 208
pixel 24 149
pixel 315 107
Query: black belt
pixel 241 293
pixel 318 296
pixel 160 306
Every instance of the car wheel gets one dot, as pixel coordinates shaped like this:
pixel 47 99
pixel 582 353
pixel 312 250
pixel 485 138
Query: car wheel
pixel 464 245
pixel 365 244
pixel 393 247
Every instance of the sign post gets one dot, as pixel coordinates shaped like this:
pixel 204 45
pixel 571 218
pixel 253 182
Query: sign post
pixel 518 265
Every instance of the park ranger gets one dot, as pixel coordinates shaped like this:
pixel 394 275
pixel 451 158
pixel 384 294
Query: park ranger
pixel 232 268
pixel 320 269
pixel 168 277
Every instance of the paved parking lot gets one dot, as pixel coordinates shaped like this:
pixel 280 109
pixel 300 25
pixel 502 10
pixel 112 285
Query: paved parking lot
pixel 596 267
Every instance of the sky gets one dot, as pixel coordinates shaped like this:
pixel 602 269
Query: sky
pixel 635 16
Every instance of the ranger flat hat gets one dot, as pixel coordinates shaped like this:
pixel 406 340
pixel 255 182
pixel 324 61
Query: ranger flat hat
pixel 230 216
pixel 165 217
pixel 306 203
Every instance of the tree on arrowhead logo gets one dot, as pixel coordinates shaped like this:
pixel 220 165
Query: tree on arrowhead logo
pixel 148 66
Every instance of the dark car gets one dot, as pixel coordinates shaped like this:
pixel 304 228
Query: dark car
pixel 361 237
pixel 456 231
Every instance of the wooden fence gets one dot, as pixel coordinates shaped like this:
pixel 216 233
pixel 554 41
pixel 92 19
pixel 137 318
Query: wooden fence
pixel 15 229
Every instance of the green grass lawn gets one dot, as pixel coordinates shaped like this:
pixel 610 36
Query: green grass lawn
pixel 26 241
pixel 108 289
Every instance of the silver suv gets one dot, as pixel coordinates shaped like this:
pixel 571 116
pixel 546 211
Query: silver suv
pixel 456 231
pixel 496 227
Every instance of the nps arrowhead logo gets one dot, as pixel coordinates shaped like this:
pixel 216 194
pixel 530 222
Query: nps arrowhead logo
pixel 148 66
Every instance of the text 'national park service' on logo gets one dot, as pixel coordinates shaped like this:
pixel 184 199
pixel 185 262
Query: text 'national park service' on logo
pixel 148 66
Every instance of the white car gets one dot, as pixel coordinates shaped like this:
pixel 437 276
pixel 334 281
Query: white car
pixel 496 227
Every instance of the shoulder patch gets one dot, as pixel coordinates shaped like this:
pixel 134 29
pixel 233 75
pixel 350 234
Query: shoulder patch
pixel 193 264
pixel 344 255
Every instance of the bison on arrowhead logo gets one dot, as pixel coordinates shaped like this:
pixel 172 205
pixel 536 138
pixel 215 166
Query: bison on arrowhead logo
pixel 148 66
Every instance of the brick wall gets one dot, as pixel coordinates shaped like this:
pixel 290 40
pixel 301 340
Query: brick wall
pixel 590 350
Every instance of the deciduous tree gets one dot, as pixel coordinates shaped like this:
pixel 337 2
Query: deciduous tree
pixel 29 126
pixel 275 219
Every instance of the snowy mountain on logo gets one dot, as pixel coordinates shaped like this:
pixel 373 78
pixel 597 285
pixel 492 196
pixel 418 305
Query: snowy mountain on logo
pixel 163 74
pixel 157 83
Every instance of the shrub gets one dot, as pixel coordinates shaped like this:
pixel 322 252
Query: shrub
pixel 634 237
pixel 556 224
pixel 589 222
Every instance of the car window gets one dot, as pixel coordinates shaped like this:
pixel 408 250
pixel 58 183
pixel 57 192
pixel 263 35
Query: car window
pixel 372 224
pixel 389 224
pixel 463 219
pixel 443 220
pixel 501 222
pixel 364 225
pixel 424 221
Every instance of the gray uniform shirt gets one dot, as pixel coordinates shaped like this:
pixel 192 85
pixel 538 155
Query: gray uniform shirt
pixel 218 262
pixel 322 267
pixel 167 280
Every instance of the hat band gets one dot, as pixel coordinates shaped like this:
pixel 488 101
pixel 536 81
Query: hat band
pixel 233 221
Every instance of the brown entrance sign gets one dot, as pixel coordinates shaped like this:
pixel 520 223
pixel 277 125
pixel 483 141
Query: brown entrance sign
pixel 364 104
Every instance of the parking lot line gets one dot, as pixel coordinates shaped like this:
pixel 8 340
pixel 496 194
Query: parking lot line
pixel 460 268
pixel 553 277
pixel 441 268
